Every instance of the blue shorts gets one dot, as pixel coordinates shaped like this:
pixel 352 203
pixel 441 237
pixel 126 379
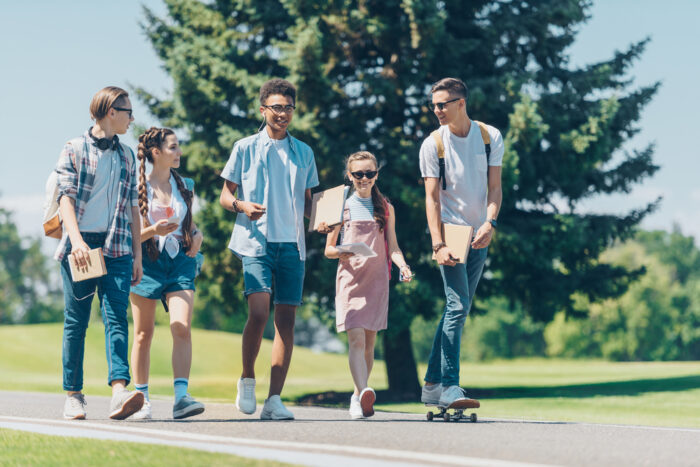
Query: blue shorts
pixel 282 263
pixel 166 274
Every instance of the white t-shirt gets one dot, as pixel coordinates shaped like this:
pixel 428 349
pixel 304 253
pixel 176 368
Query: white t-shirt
pixel 280 210
pixel 464 200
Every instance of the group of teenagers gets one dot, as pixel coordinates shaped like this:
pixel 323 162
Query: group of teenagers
pixel 143 223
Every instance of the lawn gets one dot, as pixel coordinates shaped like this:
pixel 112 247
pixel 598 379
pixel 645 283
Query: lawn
pixel 645 393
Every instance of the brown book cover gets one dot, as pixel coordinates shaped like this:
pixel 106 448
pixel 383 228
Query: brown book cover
pixel 327 206
pixel 95 267
pixel 458 239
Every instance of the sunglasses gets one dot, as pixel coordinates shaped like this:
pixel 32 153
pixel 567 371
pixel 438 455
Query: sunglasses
pixel 279 109
pixel 441 105
pixel 122 109
pixel 370 174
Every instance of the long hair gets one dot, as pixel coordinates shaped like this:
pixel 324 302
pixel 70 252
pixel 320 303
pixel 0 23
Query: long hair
pixel 155 138
pixel 379 201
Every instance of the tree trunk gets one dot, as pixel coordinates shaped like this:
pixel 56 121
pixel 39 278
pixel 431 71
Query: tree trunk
pixel 401 366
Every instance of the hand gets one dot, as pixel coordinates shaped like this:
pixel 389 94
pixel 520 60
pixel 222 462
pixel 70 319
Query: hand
pixel 483 236
pixel 80 250
pixel 163 228
pixel 444 257
pixel 323 228
pixel 254 211
pixel 406 274
pixel 136 271
pixel 196 244
pixel 345 256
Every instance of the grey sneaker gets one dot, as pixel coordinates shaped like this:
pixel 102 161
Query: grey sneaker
pixel 125 403
pixel 367 398
pixel 274 409
pixel 74 408
pixel 145 413
pixel 245 399
pixel 355 408
pixel 450 395
pixel 187 407
pixel 431 394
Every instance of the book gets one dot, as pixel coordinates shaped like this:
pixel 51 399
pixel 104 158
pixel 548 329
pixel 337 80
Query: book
pixel 327 206
pixel 360 249
pixel 95 267
pixel 458 239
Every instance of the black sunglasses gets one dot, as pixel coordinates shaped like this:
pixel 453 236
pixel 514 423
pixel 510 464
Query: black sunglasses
pixel 370 174
pixel 441 105
pixel 131 112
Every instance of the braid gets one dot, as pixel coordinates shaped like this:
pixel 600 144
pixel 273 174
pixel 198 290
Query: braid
pixel 187 196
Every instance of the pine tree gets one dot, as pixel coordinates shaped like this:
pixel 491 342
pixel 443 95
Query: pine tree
pixel 363 71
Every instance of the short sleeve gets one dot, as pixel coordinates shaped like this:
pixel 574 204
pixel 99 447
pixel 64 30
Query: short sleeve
pixel 189 184
pixel 233 169
pixel 429 165
pixel 312 174
pixel 497 148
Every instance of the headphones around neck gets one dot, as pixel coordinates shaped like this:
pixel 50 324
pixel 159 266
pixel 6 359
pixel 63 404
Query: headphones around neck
pixel 105 143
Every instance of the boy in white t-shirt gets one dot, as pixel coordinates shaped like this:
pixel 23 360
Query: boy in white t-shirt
pixel 471 195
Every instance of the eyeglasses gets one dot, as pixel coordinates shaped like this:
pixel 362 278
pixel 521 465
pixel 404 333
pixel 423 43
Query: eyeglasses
pixel 278 109
pixel 441 105
pixel 131 112
pixel 370 174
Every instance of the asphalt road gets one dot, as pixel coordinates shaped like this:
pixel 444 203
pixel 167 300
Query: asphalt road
pixel 321 436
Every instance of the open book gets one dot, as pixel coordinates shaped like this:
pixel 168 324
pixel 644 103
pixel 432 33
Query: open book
pixel 327 206
pixel 95 267
pixel 458 239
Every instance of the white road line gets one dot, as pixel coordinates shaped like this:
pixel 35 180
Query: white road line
pixel 613 425
pixel 285 451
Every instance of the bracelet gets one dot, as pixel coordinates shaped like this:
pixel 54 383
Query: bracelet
pixel 438 246
pixel 235 206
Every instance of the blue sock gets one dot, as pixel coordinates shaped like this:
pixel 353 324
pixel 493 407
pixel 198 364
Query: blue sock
pixel 180 388
pixel 142 388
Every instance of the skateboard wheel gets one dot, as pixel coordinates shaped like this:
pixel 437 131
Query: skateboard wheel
pixel 447 417
pixel 429 416
pixel 472 417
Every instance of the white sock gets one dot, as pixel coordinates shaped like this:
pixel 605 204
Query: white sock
pixel 144 389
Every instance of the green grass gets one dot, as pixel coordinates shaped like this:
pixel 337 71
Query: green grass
pixel 21 448
pixel 649 393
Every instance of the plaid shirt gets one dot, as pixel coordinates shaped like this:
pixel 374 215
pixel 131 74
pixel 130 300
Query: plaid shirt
pixel 76 178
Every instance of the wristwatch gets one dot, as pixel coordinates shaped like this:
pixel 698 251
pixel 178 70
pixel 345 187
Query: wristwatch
pixel 493 222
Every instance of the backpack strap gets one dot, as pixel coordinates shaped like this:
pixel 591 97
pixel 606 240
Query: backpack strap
pixel 437 137
pixel 486 138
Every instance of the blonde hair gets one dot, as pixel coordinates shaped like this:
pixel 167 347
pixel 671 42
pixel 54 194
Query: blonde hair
pixel 379 201
pixel 155 138
pixel 104 100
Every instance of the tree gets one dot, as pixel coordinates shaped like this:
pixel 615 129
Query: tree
pixel 27 294
pixel 363 70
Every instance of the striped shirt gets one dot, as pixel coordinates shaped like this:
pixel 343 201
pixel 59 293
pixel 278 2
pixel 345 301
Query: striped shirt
pixel 76 176
pixel 361 209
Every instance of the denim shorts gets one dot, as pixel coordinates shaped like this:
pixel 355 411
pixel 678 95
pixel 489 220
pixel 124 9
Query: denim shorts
pixel 280 263
pixel 166 274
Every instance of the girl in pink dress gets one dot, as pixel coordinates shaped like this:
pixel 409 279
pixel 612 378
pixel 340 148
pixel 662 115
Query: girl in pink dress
pixel 362 283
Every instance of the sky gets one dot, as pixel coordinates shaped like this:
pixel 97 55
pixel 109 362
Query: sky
pixel 55 55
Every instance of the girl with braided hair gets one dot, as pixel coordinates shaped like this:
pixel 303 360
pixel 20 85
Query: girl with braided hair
pixel 170 244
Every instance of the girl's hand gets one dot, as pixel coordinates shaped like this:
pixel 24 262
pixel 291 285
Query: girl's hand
pixel 162 227
pixel 323 228
pixel 345 256
pixel 196 244
pixel 406 274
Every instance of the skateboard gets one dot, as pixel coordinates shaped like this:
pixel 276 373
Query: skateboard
pixel 457 408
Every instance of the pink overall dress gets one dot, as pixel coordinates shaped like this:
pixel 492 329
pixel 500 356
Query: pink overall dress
pixel 362 284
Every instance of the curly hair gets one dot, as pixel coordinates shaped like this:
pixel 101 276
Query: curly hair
pixel 379 201
pixel 277 86
pixel 155 138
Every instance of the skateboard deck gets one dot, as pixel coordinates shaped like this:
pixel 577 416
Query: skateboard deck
pixel 454 411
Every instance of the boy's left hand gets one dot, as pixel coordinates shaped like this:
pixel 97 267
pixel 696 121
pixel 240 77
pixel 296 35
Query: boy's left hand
pixel 483 236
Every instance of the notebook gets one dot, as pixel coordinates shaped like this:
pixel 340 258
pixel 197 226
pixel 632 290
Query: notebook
pixel 327 206
pixel 458 239
pixel 95 268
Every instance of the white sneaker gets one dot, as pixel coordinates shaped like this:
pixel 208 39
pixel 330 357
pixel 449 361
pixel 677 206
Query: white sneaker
pixel 450 395
pixel 431 394
pixel 274 409
pixel 367 398
pixel 74 407
pixel 145 412
pixel 125 403
pixel 355 408
pixel 245 399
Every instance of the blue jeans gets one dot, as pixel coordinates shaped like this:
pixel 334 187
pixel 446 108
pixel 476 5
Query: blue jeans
pixel 113 293
pixel 281 262
pixel 460 283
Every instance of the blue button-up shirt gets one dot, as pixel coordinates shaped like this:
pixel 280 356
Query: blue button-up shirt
pixel 248 168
